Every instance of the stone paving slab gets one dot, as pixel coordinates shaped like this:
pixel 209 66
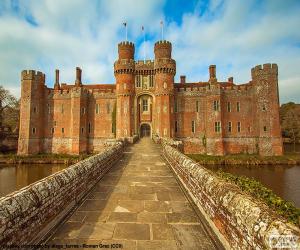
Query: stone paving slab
pixel 137 205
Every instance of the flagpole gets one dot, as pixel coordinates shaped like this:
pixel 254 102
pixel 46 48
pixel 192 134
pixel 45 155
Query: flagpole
pixel 162 30
pixel 144 45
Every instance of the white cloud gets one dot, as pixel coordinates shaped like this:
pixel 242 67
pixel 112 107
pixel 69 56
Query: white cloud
pixel 234 35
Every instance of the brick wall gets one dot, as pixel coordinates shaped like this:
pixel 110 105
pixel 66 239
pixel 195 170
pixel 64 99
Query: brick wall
pixel 28 214
pixel 240 221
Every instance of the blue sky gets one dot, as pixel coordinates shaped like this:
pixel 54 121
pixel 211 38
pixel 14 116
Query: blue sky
pixel 235 35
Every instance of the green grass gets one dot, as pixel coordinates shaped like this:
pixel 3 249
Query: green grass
pixel 253 187
pixel 251 159
pixel 44 157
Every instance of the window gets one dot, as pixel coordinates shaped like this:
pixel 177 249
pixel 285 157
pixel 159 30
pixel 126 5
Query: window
pixel 82 130
pixel 151 81
pixel 197 106
pixel 33 130
pixel 34 109
pixel 176 126
pixel 229 126
pixel 90 127
pixel 193 127
pixel 62 108
pixel 63 130
pixel 176 106
pixel 97 108
pixel 239 127
pixel 54 123
pixel 145 104
pixel 238 108
pixel 228 106
pixel 217 127
pixel 108 108
pixel 138 81
pixel 52 130
pixel 82 111
pixel 264 107
pixel 216 105
pixel 265 128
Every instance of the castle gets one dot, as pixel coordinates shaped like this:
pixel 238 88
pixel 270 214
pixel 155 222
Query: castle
pixel 210 117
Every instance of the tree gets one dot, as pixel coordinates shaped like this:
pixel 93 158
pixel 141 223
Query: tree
pixel 290 121
pixel 9 110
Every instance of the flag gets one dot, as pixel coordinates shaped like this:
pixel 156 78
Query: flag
pixel 124 24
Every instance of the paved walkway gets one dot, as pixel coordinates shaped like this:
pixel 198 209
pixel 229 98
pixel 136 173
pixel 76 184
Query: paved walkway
pixel 139 205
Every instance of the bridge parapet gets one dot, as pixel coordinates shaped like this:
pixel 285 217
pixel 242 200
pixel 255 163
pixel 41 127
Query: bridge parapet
pixel 239 220
pixel 27 215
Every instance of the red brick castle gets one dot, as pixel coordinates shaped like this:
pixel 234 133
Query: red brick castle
pixel 208 117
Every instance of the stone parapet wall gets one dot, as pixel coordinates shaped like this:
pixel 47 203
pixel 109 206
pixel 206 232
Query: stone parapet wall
pixel 27 215
pixel 239 220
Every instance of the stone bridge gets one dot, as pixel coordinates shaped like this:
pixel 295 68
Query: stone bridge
pixel 143 196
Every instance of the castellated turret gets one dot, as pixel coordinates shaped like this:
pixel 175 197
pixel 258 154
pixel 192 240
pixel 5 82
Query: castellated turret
pixel 165 69
pixel 31 112
pixel 163 49
pixel 124 69
pixel 126 50
pixel 266 102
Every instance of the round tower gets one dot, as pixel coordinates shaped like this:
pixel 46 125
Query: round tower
pixel 124 72
pixel 162 49
pixel 165 70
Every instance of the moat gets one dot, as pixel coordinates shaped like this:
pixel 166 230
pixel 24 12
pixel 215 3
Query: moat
pixel 14 177
pixel 283 179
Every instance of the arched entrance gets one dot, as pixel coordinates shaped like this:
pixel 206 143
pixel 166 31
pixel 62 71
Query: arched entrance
pixel 145 130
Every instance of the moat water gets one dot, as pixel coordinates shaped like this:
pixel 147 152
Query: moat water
pixel 284 180
pixel 14 177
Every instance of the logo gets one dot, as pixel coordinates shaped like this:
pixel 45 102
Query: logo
pixel 284 241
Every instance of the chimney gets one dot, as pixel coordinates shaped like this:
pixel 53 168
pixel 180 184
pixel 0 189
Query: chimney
pixel 182 79
pixel 212 72
pixel 56 84
pixel 230 79
pixel 78 76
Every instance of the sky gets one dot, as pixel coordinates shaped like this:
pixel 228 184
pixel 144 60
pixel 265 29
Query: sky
pixel 235 35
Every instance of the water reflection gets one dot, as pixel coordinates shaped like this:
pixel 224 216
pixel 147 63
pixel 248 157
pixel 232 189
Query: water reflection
pixel 282 179
pixel 14 177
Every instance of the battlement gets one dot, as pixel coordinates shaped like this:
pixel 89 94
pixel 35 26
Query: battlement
pixel 267 68
pixel 126 44
pixel 162 49
pixel 163 43
pixel 165 65
pixel 123 66
pixel 32 75
pixel 142 62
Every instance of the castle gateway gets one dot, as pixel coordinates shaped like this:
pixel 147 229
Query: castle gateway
pixel 210 117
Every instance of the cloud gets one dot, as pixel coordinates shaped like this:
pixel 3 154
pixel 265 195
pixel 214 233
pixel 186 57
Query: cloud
pixel 236 38
pixel 234 35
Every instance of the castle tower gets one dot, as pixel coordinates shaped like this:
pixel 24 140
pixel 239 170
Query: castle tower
pixel 124 72
pixel 266 109
pixel 214 115
pixel 165 70
pixel 31 112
